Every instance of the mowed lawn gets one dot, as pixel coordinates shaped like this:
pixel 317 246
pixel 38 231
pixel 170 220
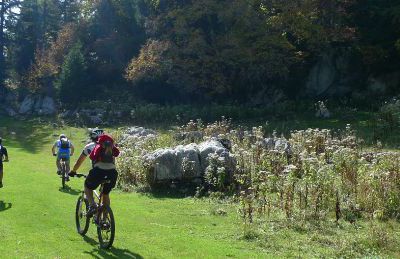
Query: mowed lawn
pixel 37 217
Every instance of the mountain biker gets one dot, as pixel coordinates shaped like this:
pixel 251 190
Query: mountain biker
pixel 3 157
pixel 99 172
pixel 103 157
pixel 94 136
pixel 65 149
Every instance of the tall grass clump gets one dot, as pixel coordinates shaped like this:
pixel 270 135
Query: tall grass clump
pixel 134 171
pixel 321 175
pixel 387 121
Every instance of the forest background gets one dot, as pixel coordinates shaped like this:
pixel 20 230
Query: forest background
pixel 258 53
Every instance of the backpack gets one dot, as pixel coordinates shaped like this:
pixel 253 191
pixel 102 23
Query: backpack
pixel 105 150
pixel 64 143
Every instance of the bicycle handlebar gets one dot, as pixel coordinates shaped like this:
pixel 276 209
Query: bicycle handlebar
pixel 77 175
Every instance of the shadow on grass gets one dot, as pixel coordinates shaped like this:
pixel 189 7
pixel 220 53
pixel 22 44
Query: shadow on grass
pixel 113 252
pixel 5 205
pixel 28 134
pixel 69 190
pixel 178 191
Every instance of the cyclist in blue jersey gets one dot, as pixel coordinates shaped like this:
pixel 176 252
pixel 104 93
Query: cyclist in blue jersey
pixel 65 149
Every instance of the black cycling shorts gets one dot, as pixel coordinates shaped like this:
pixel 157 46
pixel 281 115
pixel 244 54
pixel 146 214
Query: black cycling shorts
pixel 1 167
pixel 96 176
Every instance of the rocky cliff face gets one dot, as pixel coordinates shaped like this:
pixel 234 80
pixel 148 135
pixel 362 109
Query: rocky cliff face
pixel 338 72
pixel 31 104
pixel 332 75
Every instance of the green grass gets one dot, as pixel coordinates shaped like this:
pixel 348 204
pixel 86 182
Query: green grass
pixel 366 238
pixel 37 217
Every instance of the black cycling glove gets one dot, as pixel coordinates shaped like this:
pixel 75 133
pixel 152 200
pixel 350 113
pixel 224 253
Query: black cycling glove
pixel 72 173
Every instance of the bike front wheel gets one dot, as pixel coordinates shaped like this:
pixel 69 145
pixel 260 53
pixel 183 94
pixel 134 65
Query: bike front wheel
pixel 82 221
pixel 105 226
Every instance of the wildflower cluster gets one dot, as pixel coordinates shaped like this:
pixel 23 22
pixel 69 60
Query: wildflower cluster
pixel 319 175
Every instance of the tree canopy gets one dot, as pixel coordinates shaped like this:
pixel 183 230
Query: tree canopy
pixel 185 50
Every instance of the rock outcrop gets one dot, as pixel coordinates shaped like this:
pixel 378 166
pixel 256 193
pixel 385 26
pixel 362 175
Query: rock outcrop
pixel 135 137
pixel 187 162
pixel 35 104
pixel 332 75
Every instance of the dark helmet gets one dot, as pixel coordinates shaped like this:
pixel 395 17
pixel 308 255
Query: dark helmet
pixel 95 134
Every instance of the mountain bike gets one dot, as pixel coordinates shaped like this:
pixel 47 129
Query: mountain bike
pixel 103 218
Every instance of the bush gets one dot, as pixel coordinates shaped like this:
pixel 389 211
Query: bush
pixel 387 121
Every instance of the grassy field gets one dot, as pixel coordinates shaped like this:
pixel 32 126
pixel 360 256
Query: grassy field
pixel 37 217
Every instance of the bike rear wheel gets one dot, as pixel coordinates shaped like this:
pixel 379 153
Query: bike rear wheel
pixel 63 170
pixel 82 221
pixel 105 226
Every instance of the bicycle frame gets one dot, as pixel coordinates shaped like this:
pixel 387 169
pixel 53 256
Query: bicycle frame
pixel 98 195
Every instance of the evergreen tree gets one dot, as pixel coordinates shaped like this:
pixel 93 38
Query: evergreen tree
pixel 72 82
pixel 114 35
pixel 27 36
pixel 36 28
pixel 7 18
